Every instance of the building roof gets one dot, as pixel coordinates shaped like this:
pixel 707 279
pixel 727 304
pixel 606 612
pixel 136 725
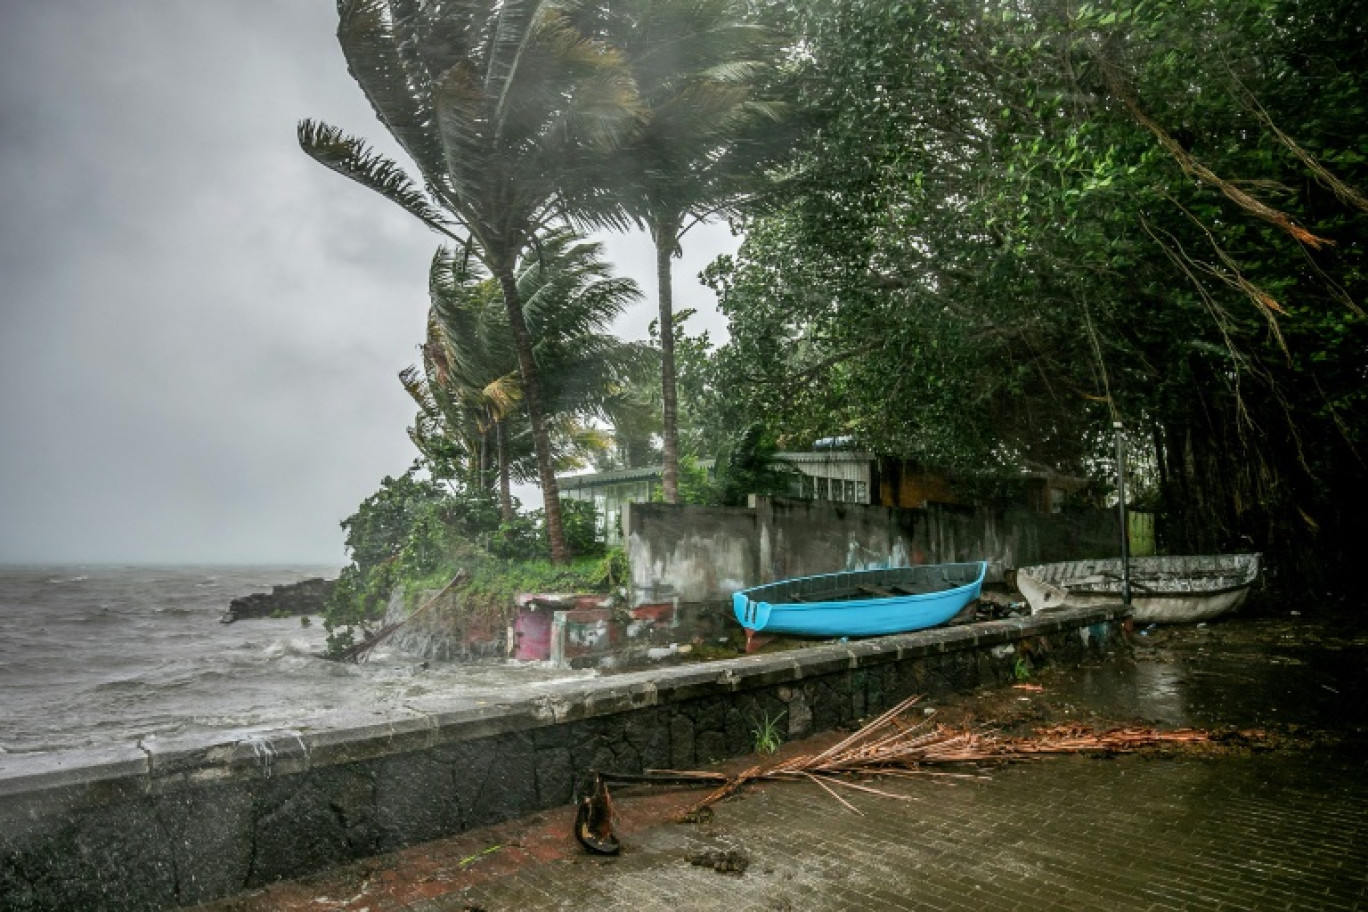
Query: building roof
pixel 617 476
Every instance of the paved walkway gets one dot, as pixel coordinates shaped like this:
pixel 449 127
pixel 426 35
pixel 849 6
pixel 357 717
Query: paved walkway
pixel 1069 833
pixel 1284 828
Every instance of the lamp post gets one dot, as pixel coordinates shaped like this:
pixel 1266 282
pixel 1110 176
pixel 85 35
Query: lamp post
pixel 1121 504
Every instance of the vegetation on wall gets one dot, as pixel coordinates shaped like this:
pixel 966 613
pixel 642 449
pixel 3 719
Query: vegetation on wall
pixel 414 535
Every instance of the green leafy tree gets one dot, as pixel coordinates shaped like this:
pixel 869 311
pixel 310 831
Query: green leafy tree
pixel 404 528
pixel 1009 224
pixel 750 465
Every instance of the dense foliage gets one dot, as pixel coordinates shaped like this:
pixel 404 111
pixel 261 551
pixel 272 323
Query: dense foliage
pixel 1001 227
pixel 472 425
pixel 1007 225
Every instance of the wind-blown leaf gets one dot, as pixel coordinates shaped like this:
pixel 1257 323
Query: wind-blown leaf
pixel 351 157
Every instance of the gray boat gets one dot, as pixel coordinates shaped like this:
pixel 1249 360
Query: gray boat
pixel 1164 590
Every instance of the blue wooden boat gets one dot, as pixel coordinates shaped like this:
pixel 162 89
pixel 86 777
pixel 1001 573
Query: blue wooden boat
pixel 860 602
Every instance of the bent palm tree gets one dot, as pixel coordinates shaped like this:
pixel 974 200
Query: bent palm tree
pixel 468 385
pixel 501 104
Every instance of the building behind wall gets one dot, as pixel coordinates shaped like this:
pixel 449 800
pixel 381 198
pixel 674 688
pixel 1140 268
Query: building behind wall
pixel 835 475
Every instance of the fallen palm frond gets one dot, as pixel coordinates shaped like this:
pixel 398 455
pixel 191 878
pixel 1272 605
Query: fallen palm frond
pixel 899 746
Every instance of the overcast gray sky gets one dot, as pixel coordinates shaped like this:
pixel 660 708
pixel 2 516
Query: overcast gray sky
pixel 200 327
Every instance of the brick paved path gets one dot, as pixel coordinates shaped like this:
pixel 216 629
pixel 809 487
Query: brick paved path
pixel 1257 832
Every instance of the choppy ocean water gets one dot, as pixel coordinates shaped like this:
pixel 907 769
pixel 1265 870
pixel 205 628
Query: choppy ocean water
pixel 99 655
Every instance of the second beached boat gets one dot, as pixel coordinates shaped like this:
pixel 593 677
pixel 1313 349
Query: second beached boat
pixel 1164 590
pixel 860 602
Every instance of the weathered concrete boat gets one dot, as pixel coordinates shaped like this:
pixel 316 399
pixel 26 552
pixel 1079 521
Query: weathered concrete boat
pixel 860 602
pixel 1164 589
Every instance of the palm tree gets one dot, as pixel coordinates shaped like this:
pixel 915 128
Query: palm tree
pixel 697 66
pixel 468 385
pixel 569 300
pixel 501 104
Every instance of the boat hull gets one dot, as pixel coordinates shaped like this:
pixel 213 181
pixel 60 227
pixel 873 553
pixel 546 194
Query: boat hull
pixel 1164 590
pixel 813 606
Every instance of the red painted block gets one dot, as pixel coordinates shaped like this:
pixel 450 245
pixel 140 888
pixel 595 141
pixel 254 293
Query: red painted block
pixel 660 613
pixel 532 636
pixel 588 631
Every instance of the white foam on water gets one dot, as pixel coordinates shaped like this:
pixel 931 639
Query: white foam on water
pixel 158 661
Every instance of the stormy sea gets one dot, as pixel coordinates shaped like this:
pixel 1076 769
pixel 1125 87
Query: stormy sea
pixel 98 655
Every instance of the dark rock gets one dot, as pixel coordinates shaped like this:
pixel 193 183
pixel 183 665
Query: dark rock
pixel 305 597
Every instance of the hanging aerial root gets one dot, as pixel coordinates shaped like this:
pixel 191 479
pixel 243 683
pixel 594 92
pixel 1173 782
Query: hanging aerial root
pixel 1116 84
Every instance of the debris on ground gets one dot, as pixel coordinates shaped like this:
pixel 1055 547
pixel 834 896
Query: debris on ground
pixel 594 821
pixel 728 861
pixel 359 652
pixel 898 745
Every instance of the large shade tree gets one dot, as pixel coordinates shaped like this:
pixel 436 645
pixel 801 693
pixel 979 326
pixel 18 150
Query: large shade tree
pixel 1011 222
pixel 502 105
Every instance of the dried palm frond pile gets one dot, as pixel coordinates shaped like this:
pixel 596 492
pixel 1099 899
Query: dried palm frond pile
pixel 897 744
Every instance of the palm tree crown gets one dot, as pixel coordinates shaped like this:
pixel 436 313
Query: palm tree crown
pixel 697 66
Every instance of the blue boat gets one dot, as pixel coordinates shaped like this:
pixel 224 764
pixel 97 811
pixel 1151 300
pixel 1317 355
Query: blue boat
pixel 860 602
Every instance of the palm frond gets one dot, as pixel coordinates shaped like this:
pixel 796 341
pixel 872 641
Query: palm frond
pixel 383 64
pixel 458 103
pixel 503 394
pixel 415 384
pixel 515 29
pixel 351 157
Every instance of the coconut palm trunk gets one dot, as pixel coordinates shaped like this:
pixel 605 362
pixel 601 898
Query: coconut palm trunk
pixel 666 234
pixel 697 65
pixel 505 489
pixel 532 398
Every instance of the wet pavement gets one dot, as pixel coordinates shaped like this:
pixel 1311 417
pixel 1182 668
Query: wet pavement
pixel 1283 825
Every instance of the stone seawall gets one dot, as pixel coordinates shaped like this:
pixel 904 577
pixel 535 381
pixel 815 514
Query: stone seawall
pixel 175 822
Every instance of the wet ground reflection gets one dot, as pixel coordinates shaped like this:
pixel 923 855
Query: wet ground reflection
pixel 1259 671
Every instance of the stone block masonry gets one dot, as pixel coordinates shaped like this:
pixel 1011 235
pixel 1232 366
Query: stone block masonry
pixel 175 822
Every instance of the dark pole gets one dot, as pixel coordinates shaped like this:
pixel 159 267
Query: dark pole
pixel 1121 503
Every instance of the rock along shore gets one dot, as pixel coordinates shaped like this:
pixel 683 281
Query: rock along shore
pixel 304 597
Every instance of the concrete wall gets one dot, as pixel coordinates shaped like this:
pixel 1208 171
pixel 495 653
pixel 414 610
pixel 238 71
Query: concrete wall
pixel 179 821
pixel 704 554
pixel 692 553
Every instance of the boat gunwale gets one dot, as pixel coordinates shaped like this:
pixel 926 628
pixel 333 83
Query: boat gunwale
pixel 1207 580
pixel 1138 593
pixel 1243 567
pixel 863 602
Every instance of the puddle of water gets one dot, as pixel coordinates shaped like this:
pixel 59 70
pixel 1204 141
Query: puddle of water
pixel 1241 672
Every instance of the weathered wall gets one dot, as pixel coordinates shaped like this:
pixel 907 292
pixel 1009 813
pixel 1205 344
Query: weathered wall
pixel 179 821
pixel 691 553
pixel 674 548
